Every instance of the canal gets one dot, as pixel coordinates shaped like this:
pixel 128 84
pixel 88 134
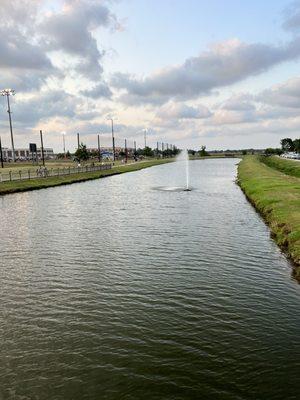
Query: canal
pixel 112 289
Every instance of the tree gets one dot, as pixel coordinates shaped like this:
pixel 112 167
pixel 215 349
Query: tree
pixel 244 152
pixel 296 144
pixel 203 152
pixel 287 144
pixel 148 152
pixel 175 151
pixel 94 153
pixel 82 153
pixel 270 151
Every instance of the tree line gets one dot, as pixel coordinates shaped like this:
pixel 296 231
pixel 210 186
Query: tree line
pixel 82 153
pixel 288 145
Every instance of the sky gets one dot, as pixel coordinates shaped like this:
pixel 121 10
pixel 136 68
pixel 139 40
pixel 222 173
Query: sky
pixel 224 74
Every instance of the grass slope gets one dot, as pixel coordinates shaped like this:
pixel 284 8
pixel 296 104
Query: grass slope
pixel 33 184
pixel 288 167
pixel 277 197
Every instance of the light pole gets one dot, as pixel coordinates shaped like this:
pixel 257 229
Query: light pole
pixel 112 137
pixel 126 152
pixel 99 150
pixel 7 93
pixel 42 148
pixel 145 136
pixel 1 154
pixel 64 143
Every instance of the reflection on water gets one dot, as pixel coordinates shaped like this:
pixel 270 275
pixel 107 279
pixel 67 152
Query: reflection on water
pixel 112 290
pixel 173 188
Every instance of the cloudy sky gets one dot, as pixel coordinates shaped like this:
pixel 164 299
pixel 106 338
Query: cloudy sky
pixel 225 74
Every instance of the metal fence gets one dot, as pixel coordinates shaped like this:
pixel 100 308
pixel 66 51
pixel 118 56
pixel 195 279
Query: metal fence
pixel 41 172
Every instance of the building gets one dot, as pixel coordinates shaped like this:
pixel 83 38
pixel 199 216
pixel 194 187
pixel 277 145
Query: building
pixel 107 152
pixel 25 155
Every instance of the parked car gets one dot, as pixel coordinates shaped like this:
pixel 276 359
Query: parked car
pixel 291 156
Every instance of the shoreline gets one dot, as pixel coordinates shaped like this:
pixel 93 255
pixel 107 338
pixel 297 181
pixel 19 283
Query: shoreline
pixel 43 183
pixel 16 186
pixel 276 197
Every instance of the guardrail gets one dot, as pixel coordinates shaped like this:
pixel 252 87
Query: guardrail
pixel 46 173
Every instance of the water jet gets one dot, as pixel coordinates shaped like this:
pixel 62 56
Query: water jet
pixel 184 156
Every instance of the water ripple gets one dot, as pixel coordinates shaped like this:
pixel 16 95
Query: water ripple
pixel 113 290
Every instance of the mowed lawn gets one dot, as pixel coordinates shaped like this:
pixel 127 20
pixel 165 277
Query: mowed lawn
pixel 288 167
pixel 276 195
pixel 40 183
pixel 50 164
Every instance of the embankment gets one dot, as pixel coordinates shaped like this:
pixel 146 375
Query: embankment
pixel 288 167
pixel 41 183
pixel 277 198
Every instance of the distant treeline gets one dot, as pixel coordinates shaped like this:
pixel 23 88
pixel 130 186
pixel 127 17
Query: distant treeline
pixel 203 152
pixel 288 145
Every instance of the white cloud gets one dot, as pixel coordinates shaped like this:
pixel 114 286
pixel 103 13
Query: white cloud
pixel 98 91
pixel 223 64
pixel 239 102
pixel 71 31
pixel 174 110
pixel 286 94
pixel 292 20
pixel 229 117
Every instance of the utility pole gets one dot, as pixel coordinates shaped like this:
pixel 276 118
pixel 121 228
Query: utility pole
pixel 99 151
pixel 145 137
pixel 64 143
pixel 42 148
pixel 113 137
pixel 78 144
pixel 157 149
pixel 126 152
pixel 134 145
pixel 1 154
pixel 7 93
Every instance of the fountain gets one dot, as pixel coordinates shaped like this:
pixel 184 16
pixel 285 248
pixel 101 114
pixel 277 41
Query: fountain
pixel 183 157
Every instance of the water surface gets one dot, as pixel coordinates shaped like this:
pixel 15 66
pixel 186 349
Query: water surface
pixel 113 290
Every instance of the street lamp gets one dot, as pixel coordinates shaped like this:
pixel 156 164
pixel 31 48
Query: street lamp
pixel 64 143
pixel 7 93
pixel 112 136
pixel 99 150
pixel 145 136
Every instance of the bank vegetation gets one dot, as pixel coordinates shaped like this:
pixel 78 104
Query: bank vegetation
pixel 272 185
pixel 41 183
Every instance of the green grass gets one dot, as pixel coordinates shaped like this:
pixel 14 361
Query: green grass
pixel 40 183
pixel 210 156
pixel 288 167
pixel 25 166
pixel 277 197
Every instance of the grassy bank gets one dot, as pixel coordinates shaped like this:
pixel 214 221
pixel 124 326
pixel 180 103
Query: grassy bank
pixel 33 184
pixel 288 167
pixel 277 197
pixel 50 164
pixel 210 156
